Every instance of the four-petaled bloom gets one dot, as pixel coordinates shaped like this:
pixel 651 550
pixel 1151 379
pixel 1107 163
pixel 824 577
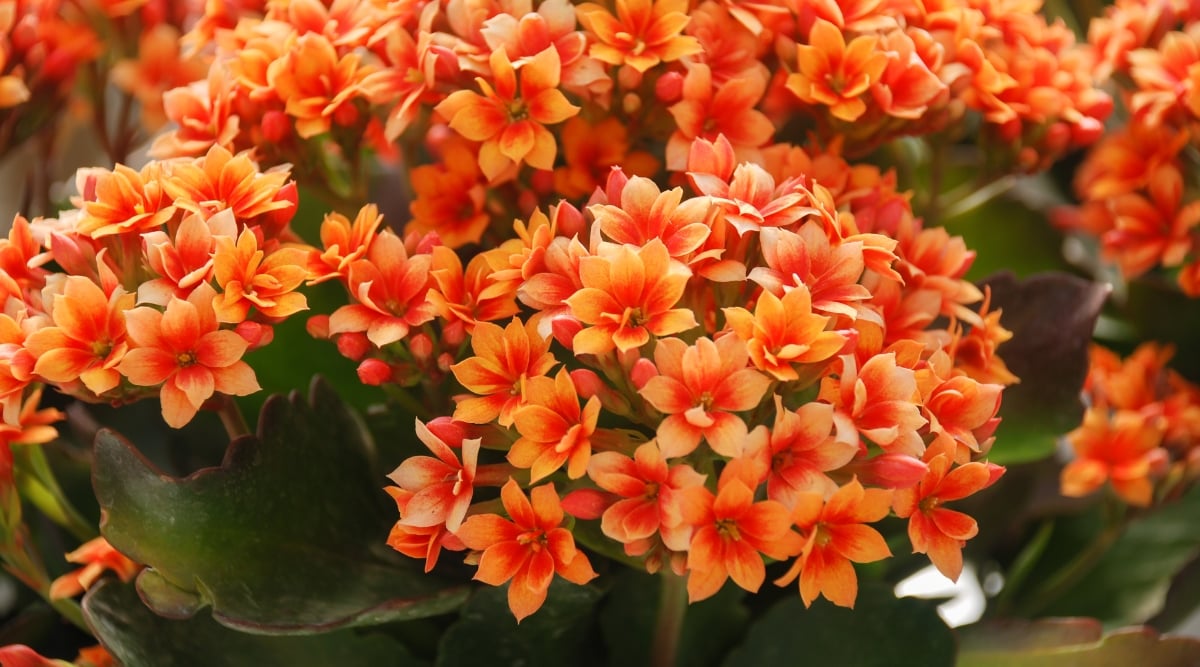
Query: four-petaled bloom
pixel 183 349
pixel 529 549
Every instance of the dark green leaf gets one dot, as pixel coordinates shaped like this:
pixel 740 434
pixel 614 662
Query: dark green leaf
pixel 1072 641
pixel 1130 582
pixel 286 536
pixel 880 631
pixel 139 638
pixel 710 627
pixel 560 633
pixel 1052 316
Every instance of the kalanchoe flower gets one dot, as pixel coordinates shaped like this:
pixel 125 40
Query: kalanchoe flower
pixel 505 361
pixel 529 548
pixel 96 556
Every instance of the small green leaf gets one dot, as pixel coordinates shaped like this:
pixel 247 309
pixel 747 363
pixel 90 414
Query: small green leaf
pixel 1072 641
pixel 880 631
pixel 1052 316
pixel 139 638
pixel 286 536
pixel 486 633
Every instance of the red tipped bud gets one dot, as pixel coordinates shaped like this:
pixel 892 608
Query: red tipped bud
pixel 318 326
pixel 374 372
pixel 587 504
pixel 353 346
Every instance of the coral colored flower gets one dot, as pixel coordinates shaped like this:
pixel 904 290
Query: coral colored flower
pixel 511 124
pixel 122 201
pixel 184 350
pixel 975 353
pixel 783 332
pixel 731 534
pixel 203 112
pixel 641 35
pixel 221 180
pixel 877 401
pixel 449 197
pixel 249 278
pixel 807 257
pixel 834 537
pixel 316 83
pixel 750 197
pixel 442 487
pixel 833 73
pixel 505 361
pixel 957 405
pixel 554 429
pixel 466 298
pixel 933 529
pixel 1123 449
pixel 343 243
pixel 87 340
pixel 391 290
pixel 186 261
pixel 800 450
pixel 96 556
pixel 423 542
pixel 627 296
pixel 32 425
pixel 645 213
pixel 700 387
pixel 650 498
pixel 709 109
pixel 529 549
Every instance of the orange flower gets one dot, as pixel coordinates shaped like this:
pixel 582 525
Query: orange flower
pixel 315 83
pixel 731 530
pixel 466 298
pixel 933 529
pixel 726 109
pixel 836 74
pixel 650 504
pixel 834 537
pixel 505 361
pixel 344 242
pixel 700 387
pixel 32 426
pixel 203 112
pixel 627 296
pixel 1152 230
pixel 96 556
pixel 783 332
pixel 121 201
pixel 184 350
pixel 87 340
pixel 878 402
pixel 554 430
pixel 800 450
pixel 806 257
pixel 751 199
pixel 449 197
pixel 424 542
pixel 391 288
pixel 442 487
pixel 530 549
pixel 975 353
pixel 1124 450
pixel 957 405
pixel 511 125
pixel 591 151
pixel 645 213
pixel 221 180
pixel 252 278
pixel 641 35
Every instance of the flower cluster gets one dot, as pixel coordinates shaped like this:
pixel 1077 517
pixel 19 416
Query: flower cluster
pixel 1134 185
pixel 1141 429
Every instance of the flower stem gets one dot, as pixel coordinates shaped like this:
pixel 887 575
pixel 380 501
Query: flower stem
pixel 1079 566
pixel 672 606
pixel 232 417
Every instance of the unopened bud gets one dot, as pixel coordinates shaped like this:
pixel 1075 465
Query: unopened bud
pixel 276 126
pixel 421 346
pixel 669 88
pixel 318 326
pixel 374 372
pixel 353 346
pixel 255 334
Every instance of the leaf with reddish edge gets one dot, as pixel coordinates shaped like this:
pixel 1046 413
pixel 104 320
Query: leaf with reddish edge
pixel 1051 316
pixel 138 638
pixel 284 537
pixel 1071 641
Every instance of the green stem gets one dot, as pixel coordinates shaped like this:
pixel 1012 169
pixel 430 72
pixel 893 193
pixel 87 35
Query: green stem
pixel 1077 568
pixel 668 628
pixel 38 485
pixel 232 418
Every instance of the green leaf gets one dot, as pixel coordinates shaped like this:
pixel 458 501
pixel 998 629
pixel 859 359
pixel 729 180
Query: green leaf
pixel 1130 582
pixel 486 633
pixel 710 627
pixel 881 630
pixel 1052 316
pixel 139 638
pixel 1072 641
pixel 286 536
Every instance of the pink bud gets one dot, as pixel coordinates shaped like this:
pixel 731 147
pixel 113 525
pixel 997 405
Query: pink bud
pixel 587 504
pixel 629 78
pixel 255 334
pixel 454 334
pixel 276 126
pixel 374 372
pixel 890 471
pixel 643 369
pixel 421 346
pixel 444 361
pixel 564 329
pixel 587 383
pixel 669 88
pixel 354 345
pixel 345 115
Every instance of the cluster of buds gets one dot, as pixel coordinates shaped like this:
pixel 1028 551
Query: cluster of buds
pixel 1140 431
pixel 1134 185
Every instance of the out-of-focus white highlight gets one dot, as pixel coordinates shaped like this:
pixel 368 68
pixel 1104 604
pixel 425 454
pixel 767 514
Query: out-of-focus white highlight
pixel 966 601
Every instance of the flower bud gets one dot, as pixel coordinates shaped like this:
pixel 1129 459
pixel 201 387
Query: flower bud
pixel 354 345
pixel 276 126
pixel 374 372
